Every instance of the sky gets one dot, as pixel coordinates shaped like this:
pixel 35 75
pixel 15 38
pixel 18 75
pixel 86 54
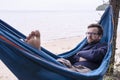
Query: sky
pixel 48 4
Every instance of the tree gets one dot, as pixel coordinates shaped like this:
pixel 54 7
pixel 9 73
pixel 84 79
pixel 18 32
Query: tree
pixel 102 7
pixel 116 8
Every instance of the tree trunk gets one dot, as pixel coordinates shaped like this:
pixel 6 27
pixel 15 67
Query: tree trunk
pixel 116 8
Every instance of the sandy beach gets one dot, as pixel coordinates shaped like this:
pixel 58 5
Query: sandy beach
pixel 56 46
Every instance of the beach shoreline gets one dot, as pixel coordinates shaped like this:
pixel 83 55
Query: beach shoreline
pixel 58 46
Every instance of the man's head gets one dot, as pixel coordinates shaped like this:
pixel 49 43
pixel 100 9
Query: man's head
pixel 94 33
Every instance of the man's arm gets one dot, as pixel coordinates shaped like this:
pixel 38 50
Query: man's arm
pixel 95 55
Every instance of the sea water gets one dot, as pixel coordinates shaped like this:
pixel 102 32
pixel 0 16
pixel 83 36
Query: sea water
pixel 51 24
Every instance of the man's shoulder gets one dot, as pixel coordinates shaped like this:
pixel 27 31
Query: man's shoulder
pixel 100 44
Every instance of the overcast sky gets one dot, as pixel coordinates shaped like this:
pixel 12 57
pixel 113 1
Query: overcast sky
pixel 48 4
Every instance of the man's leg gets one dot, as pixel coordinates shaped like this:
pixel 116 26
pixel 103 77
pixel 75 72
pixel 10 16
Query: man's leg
pixel 81 69
pixel 78 68
pixel 34 39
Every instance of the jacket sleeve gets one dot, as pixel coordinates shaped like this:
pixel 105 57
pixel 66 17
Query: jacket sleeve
pixel 95 55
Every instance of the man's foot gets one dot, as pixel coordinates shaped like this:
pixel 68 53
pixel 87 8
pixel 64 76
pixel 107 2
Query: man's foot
pixel 34 39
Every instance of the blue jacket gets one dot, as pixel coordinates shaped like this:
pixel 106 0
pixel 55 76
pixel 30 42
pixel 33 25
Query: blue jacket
pixel 93 53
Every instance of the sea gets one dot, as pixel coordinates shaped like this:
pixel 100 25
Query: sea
pixel 52 24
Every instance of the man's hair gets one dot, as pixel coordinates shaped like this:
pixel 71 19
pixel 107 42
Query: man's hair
pixel 100 29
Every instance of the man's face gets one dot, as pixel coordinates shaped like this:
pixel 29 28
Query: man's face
pixel 92 35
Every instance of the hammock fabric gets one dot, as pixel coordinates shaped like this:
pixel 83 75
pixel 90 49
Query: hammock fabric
pixel 28 63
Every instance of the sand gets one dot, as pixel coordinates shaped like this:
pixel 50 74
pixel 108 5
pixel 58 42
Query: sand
pixel 56 46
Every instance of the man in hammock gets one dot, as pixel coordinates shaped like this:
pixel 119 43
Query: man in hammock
pixel 88 58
